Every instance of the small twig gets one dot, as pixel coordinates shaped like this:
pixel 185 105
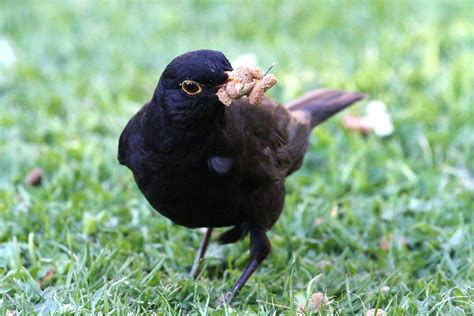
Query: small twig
pixel 269 68
pixel 46 278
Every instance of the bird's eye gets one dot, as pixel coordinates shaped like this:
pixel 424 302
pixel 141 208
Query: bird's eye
pixel 191 87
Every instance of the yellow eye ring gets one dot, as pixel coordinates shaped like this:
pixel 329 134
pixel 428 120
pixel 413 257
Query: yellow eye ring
pixel 191 87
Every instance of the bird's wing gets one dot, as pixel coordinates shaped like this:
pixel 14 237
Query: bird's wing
pixel 279 134
pixel 128 137
pixel 310 110
pixel 266 133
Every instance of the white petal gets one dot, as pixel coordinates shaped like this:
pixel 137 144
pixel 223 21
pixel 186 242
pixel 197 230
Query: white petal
pixel 379 118
pixel 7 55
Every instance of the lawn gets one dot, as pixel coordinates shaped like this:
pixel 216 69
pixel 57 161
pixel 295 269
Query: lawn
pixel 369 221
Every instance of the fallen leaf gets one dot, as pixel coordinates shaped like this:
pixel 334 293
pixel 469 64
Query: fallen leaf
pixel 317 302
pixel 318 221
pixel 47 277
pixel 300 310
pixel 318 299
pixel 385 244
pixel 384 289
pixel 356 123
pixel 34 177
pixel 373 312
pixel 68 308
pixel 376 120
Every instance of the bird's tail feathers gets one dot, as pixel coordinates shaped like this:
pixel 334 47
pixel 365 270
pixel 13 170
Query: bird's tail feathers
pixel 322 104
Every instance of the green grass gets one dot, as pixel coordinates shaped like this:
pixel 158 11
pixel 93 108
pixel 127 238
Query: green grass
pixel 362 214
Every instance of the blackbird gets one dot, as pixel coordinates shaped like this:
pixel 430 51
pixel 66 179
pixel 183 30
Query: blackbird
pixel 202 164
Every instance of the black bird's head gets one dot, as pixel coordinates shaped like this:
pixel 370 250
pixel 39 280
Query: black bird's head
pixel 187 87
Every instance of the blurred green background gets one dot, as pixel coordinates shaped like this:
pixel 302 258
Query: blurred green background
pixel 370 222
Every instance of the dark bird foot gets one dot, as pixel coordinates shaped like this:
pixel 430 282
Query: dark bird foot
pixel 198 261
pixel 259 249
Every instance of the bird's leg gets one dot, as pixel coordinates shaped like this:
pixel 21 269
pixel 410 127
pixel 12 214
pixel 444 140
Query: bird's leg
pixel 197 265
pixel 259 249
